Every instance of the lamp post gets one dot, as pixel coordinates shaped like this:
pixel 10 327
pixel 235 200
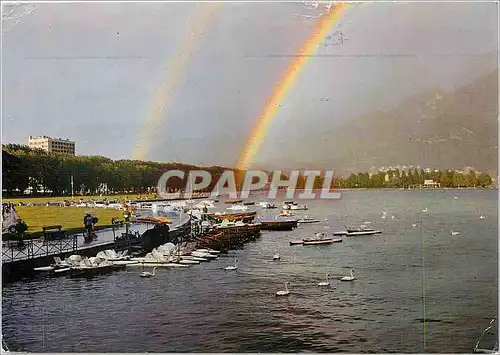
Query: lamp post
pixel 424 320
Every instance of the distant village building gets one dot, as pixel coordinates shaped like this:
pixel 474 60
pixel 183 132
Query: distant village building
pixel 431 183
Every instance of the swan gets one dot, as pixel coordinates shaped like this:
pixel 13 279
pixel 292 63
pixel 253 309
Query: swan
pixel 393 217
pixel 276 256
pixel 349 278
pixel 284 293
pixel 456 198
pixel 147 273
pixel 481 217
pixel 424 210
pixel 383 217
pixel 413 225
pixel 235 267
pixel 325 283
pixel 455 233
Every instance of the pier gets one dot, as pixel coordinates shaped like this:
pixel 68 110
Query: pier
pixel 19 260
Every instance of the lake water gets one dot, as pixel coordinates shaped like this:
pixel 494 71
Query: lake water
pixel 206 309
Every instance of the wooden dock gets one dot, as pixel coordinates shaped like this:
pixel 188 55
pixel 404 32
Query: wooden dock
pixel 18 261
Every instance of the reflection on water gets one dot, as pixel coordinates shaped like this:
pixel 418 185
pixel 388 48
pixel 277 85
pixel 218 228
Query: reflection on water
pixel 207 309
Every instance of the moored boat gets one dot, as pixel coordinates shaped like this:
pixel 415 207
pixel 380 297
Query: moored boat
pixel 289 224
pixel 291 205
pixel 319 238
pixel 308 219
pixel 351 232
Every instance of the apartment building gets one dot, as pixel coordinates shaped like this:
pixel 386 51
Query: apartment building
pixel 52 145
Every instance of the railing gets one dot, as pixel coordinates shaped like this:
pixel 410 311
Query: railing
pixel 37 248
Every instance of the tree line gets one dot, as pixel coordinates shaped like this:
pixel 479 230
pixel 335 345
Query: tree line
pixel 51 173
pixel 414 178
pixel 48 173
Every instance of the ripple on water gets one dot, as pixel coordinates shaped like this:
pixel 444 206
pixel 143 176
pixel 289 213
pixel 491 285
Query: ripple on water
pixel 204 309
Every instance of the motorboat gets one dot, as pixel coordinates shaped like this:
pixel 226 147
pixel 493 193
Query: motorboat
pixel 308 219
pixel 285 214
pixel 291 205
pixel 363 230
pixel 319 239
pixel 238 208
pixel 267 205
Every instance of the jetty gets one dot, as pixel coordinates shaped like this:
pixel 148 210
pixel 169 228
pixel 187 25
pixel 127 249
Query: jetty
pixel 20 258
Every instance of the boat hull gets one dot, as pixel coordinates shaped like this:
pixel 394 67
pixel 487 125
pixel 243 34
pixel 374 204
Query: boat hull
pixel 279 225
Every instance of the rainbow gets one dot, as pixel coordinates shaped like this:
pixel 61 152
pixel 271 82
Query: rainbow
pixel 171 78
pixel 260 127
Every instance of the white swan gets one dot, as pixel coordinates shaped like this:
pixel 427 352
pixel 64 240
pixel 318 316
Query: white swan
pixel 349 278
pixel 413 225
pixel 235 267
pixel 325 283
pixel 481 217
pixel 456 198
pixel 424 210
pixel 276 256
pixel 147 273
pixel 284 293
pixel 455 233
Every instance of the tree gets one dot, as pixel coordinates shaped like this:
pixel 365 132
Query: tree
pixel 484 180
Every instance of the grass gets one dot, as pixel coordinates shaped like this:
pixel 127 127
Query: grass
pixel 70 218
pixel 97 198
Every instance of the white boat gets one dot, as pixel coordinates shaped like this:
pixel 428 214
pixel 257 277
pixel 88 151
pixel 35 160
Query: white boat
pixel 203 255
pixel 351 232
pixel 157 264
pixel 211 251
pixel 238 208
pixel 185 261
pixel 308 219
pixel 320 238
pixel 189 257
pixel 267 205
pixel 293 206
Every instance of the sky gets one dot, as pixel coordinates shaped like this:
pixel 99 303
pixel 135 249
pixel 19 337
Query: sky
pixel 90 71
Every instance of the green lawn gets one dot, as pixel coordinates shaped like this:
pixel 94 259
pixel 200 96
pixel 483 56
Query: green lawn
pixel 97 198
pixel 70 218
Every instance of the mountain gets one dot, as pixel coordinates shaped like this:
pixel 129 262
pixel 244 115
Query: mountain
pixel 438 129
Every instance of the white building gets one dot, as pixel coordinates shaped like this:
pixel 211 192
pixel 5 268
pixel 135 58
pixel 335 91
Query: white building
pixel 431 183
pixel 52 145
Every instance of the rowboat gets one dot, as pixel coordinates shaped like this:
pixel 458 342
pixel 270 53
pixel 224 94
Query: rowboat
pixel 321 241
pixel 358 231
pixel 157 264
pixel 308 219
